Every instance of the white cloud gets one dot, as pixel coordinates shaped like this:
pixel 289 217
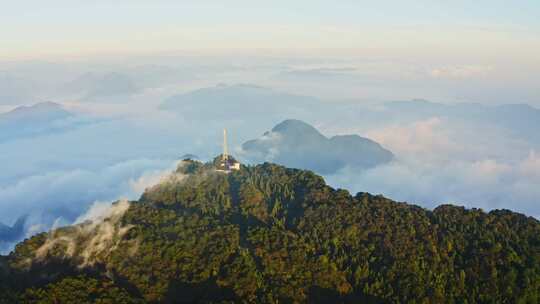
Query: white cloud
pixel 531 165
pixel 441 161
pixel 99 228
pixel 461 72
pixel 487 183
pixel 98 210
pixel 148 179
pixel 425 137
pixel 61 196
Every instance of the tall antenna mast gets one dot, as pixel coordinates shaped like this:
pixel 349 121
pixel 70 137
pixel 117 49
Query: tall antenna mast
pixel 225 148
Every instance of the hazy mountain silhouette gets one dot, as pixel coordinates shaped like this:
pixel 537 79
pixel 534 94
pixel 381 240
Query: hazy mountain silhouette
pixel 241 101
pixel 38 113
pixel 94 85
pixel 12 233
pixel 522 119
pixel 39 119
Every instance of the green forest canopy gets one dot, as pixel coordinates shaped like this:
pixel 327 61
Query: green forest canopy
pixel 270 234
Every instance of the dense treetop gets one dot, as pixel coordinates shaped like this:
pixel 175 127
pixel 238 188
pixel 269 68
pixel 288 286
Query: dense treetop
pixel 269 234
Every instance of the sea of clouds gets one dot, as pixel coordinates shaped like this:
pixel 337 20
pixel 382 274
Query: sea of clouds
pixel 128 142
pixel 441 162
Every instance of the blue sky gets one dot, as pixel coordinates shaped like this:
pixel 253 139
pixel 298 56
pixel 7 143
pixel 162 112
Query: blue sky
pixel 485 51
pixel 138 12
pixel 39 28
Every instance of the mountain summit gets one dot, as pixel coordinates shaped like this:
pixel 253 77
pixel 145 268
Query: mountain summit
pixel 297 144
pixel 269 234
pixel 28 121
pixel 12 233
pixel 40 112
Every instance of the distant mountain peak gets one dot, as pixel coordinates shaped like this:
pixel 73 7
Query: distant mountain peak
pixel 12 233
pixel 242 86
pixel 96 85
pixel 295 126
pixel 33 120
pixel 46 105
pixel 297 144
pixel 239 101
pixel 44 110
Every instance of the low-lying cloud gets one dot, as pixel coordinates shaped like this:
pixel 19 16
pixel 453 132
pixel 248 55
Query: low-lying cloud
pixel 486 184
pixel 59 198
pixel 440 162
pixel 461 72
pixel 96 234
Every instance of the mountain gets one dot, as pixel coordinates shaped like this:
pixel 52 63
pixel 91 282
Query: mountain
pixel 96 85
pixel 294 143
pixel 41 118
pixel 240 101
pixel 13 233
pixel 38 113
pixel 9 235
pixel 268 234
pixel 521 119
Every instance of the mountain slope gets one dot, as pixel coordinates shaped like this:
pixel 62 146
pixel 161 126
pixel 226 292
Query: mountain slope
pixel 521 119
pixel 270 234
pixel 33 120
pixel 38 113
pixel 252 105
pixel 40 119
pixel 95 85
pixel 294 143
pixel 10 234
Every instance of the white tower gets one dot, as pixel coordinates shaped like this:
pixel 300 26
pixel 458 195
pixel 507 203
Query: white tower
pixel 227 163
pixel 225 148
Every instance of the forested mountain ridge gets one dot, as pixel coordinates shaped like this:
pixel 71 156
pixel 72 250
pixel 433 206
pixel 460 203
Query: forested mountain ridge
pixel 269 234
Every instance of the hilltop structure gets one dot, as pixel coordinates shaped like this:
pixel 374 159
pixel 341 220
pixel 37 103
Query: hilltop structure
pixel 269 234
pixel 227 163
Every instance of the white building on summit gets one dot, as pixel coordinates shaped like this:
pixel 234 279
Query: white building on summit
pixel 227 163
